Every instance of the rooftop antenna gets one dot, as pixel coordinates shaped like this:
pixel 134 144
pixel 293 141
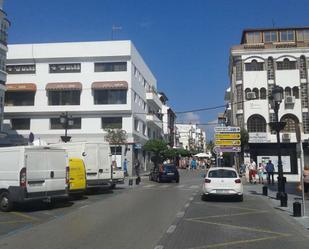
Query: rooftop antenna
pixel 115 28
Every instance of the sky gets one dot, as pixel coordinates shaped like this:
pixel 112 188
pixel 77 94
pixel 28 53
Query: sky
pixel 185 43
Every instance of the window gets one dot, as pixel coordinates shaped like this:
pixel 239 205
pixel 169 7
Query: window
pixel 239 95
pixel 254 66
pixel 136 124
pixel 20 123
pixel 286 64
pixel 256 123
pixel 302 67
pixel 238 67
pixel 291 122
pixel 110 66
pixel 287 35
pixel 112 122
pixel 247 91
pixel 263 93
pixel 222 173
pixel 303 35
pixel 295 91
pixel 270 69
pixel 64 68
pixel 287 92
pixel 306 122
pixel 19 98
pixel 270 36
pixel 110 97
pixel 64 97
pixel 20 69
pixel 256 91
pixel 272 118
pixel 254 37
pixel 56 125
pixel 116 150
pixel 304 95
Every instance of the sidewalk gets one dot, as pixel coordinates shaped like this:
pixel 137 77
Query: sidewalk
pixel 293 196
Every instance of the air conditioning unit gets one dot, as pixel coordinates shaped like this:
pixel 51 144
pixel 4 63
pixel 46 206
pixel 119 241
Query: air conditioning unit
pixel 286 137
pixel 250 95
pixel 290 100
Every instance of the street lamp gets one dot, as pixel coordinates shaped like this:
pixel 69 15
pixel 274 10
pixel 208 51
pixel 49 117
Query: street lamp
pixel 275 100
pixel 66 121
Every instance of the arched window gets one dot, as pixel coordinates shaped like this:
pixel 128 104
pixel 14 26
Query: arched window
pixel 256 91
pixel 286 64
pixel 295 92
pixel 303 67
pixel 287 92
pixel 263 93
pixel 270 69
pixel 247 91
pixel 254 66
pixel 256 123
pixel 291 122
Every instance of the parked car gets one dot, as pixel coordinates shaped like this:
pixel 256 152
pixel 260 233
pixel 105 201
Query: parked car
pixel 77 177
pixel 165 172
pixel 32 173
pixel 222 182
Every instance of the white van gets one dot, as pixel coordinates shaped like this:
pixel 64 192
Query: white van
pixel 31 172
pixel 97 160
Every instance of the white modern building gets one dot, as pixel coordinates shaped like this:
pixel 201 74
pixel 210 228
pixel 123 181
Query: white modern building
pixel 263 59
pixel 101 85
pixel 4 25
pixel 191 137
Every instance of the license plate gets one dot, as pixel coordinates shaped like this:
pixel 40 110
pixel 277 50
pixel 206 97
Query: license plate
pixel 222 191
pixel 170 174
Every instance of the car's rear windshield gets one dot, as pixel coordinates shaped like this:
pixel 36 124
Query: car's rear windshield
pixel 170 167
pixel 222 173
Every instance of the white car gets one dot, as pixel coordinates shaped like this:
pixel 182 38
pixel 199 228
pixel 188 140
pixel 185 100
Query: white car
pixel 222 181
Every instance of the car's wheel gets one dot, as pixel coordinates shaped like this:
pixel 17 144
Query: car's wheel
pixel 177 180
pixel 241 198
pixel 158 179
pixel 6 203
pixel 204 197
pixel 112 186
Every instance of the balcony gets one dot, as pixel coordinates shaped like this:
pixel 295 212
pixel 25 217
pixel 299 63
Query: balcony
pixel 153 99
pixel 153 119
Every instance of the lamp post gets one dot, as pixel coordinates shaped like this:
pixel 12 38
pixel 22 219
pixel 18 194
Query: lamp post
pixel 276 99
pixel 66 122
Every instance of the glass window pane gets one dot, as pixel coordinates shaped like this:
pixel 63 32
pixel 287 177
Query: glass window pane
pixel 112 122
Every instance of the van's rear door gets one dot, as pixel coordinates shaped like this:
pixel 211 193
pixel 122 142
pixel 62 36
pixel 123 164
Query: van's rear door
pixel 57 161
pixel 91 161
pixel 104 161
pixel 36 166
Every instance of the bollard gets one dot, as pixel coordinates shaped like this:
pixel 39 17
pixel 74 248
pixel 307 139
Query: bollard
pixel 130 182
pixel 296 209
pixel 265 190
pixel 137 180
pixel 284 200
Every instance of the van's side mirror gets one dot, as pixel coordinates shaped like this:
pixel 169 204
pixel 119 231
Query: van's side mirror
pixel 84 154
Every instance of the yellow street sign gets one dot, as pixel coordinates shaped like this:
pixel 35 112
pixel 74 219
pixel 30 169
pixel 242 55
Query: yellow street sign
pixel 228 136
pixel 228 142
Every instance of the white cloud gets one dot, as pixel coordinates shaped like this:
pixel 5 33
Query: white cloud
pixel 190 117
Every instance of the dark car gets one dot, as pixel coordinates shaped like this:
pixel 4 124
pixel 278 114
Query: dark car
pixel 166 172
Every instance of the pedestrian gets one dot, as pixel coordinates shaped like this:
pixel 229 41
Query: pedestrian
pixel 270 172
pixel 252 171
pixel 137 167
pixel 125 167
pixel 260 171
pixel 306 179
pixel 193 164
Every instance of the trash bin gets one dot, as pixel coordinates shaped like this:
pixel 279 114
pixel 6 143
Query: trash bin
pixel 297 209
pixel 284 200
pixel 265 190
pixel 137 180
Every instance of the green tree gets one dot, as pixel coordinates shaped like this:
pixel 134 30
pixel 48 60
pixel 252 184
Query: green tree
pixel 116 137
pixel 158 148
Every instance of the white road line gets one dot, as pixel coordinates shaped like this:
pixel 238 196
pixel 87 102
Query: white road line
pixel 159 247
pixel 171 229
pixel 180 214
pixel 148 186
pixel 180 186
pixel 84 206
pixel 187 205
pixel 194 186
pixel 191 198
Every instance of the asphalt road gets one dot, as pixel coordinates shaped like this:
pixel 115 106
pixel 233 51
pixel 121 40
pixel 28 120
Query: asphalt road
pixel 153 215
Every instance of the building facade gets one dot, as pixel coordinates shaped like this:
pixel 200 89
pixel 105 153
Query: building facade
pixel 101 85
pixel 4 25
pixel 191 137
pixel 265 58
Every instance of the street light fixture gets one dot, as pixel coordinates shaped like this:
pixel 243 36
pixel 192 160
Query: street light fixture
pixel 275 100
pixel 66 121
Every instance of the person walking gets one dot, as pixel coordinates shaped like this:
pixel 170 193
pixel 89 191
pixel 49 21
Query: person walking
pixel 260 171
pixel 125 167
pixel 252 171
pixel 270 168
pixel 306 179
pixel 193 164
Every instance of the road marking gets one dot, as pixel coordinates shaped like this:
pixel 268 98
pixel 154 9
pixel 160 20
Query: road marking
pixel 180 186
pixel 171 229
pixel 194 187
pixel 191 198
pixel 187 205
pixel 84 206
pixel 159 247
pixel 148 186
pixel 180 214
pixel 14 221
pixel 218 206
pixel 227 215
pixel 28 217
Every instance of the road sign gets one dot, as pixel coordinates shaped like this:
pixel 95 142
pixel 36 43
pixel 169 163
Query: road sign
pixel 227 129
pixel 234 136
pixel 230 149
pixel 216 150
pixel 228 142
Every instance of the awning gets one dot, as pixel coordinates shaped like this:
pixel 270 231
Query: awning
pixel 123 85
pixel 64 86
pixel 18 87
